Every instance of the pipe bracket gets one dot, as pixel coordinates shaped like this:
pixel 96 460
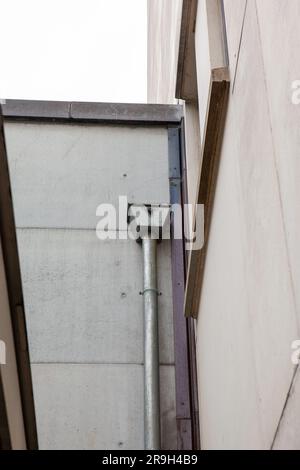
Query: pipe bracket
pixel 151 290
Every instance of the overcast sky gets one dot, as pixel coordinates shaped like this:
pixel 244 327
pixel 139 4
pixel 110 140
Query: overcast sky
pixel 79 50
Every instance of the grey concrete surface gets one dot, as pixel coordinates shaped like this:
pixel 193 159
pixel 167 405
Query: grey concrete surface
pixel 96 406
pixel 82 297
pixel 234 21
pixel 163 43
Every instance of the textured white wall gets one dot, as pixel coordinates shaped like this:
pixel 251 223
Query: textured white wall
pixel 164 17
pixel 249 314
pixel 83 308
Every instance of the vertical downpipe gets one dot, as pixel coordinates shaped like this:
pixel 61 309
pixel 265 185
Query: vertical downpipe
pixel 151 347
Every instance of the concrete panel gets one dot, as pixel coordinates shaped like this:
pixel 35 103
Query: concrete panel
pixel 228 395
pixel 8 371
pixel 82 297
pixel 61 173
pixel 234 19
pixel 36 109
pixel 66 419
pixel 211 51
pixel 288 436
pixel 279 31
pixel 168 408
pixel 272 312
pixel 251 317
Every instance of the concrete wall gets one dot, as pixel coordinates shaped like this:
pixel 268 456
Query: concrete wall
pixel 249 308
pixel 84 311
pixel 163 43
pixel 249 311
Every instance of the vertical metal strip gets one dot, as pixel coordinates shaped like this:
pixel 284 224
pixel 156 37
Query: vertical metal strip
pixel 182 379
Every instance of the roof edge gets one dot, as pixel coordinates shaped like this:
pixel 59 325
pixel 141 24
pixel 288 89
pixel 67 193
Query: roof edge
pixel 92 112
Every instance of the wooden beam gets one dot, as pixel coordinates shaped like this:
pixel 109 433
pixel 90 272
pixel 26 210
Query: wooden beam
pixel 211 149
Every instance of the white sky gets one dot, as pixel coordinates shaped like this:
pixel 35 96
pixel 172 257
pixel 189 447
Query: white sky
pixel 79 50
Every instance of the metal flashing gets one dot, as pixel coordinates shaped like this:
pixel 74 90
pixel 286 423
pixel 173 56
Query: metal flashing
pixel 92 112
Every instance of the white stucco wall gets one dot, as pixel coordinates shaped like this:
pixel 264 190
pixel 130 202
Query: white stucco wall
pixel 83 308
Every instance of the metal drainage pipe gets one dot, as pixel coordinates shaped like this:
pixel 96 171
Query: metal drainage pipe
pixel 151 347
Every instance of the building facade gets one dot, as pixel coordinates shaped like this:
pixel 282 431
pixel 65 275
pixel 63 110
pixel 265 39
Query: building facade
pixel 235 66
pixel 83 284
